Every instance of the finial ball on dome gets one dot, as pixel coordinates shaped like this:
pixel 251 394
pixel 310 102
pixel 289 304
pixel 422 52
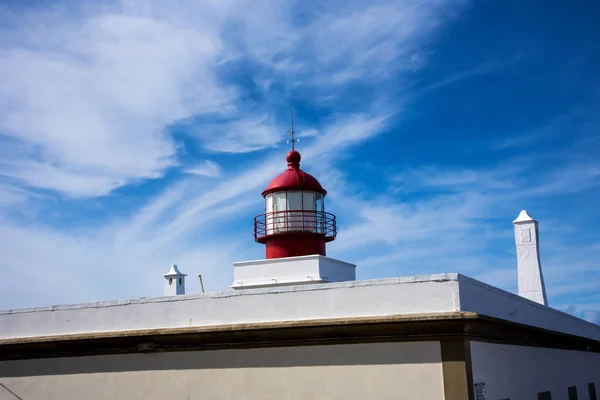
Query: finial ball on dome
pixel 293 157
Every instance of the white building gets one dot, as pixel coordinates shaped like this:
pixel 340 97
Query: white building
pixel 301 327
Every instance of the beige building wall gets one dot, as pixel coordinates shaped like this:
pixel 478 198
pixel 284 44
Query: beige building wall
pixel 520 372
pixel 408 370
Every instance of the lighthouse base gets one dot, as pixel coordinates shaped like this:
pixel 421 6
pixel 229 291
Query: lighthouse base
pixel 291 271
pixel 290 245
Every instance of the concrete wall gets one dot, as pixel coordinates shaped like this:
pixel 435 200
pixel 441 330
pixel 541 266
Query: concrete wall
pixel 291 270
pixel 354 371
pixel 519 372
pixel 484 299
pixel 409 295
pixel 424 294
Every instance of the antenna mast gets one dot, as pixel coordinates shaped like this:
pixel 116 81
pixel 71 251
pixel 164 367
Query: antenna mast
pixel 291 133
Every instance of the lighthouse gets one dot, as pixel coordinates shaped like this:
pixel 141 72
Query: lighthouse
pixel 295 222
pixel 294 228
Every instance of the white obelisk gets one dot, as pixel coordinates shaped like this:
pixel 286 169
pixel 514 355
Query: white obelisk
pixel 531 279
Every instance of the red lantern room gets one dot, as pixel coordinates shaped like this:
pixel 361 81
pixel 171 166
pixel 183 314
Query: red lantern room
pixel 295 222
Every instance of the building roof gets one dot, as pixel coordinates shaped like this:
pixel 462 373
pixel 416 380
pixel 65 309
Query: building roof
pixel 294 178
pixel 443 294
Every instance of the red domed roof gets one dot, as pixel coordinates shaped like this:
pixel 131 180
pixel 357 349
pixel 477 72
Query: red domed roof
pixel 294 178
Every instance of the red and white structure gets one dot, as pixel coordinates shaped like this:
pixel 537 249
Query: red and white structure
pixel 294 229
pixel 295 222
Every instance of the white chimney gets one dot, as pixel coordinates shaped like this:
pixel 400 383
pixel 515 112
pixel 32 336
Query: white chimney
pixel 174 282
pixel 531 280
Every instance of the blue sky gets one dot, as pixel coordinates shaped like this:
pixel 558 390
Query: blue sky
pixel 135 134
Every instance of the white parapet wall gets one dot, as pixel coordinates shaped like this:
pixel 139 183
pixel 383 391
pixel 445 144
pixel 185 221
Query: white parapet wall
pixel 291 271
pixel 484 299
pixel 354 299
pixel 410 295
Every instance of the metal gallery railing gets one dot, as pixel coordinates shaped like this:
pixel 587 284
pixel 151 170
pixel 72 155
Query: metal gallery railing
pixel 295 221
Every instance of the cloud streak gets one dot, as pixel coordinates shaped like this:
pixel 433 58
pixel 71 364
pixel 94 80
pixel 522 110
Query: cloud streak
pixel 88 116
pixel 91 88
pixel 208 168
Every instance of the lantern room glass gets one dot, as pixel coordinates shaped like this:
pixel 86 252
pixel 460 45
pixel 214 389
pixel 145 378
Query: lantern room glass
pixel 310 216
pixel 294 210
pixel 320 202
pixel 269 214
pixel 279 207
pixel 320 215
pixel 294 202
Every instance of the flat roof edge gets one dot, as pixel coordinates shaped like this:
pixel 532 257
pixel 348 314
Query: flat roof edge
pixel 444 277
pixel 438 316
pixel 403 327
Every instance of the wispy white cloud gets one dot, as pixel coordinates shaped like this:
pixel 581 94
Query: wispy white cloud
pixel 10 195
pixel 209 169
pixel 577 123
pixel 90 87
pixel 347 41
pixel 89 114
pixel 452 178
pixel 239 136
pixel 484 68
